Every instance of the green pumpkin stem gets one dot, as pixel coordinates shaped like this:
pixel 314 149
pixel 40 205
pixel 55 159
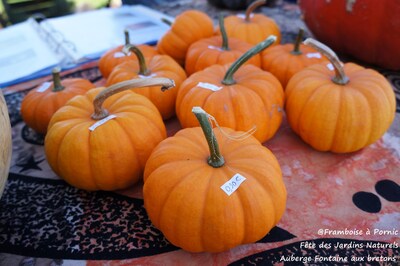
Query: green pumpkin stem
pixel 340 77
pixel 250 9
pixel 228 78
pixel 100 112
pixel 215 159
pixel 127 39
pixel 225 43
pixel 167 21
pixel 57 80
pixel 143 70
pixel 299 39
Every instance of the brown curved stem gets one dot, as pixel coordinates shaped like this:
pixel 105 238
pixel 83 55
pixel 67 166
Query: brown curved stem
pixel 340 77
pixel 143 70
pixel 57 80
pixel 299 39
pixel 100 112
pixel 215 159
pixel 250 9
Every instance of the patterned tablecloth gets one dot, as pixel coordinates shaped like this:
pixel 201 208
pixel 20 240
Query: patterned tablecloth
pixel 339 207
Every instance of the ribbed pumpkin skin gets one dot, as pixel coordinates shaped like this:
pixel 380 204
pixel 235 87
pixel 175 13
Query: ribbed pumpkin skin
pixel 339 118
pixel 183 198
pixel 114 57
pixel 37 107
pixel 283 64
pixel 159 66
pixel 112 156
pixel 208 52
pixel 255 100
pixel 256 30
pixel 188 27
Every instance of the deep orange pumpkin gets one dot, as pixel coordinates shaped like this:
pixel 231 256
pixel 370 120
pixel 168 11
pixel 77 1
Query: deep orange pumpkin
pixel 285 60
pixel 367 30
pixel 342 109
pixel 187 28
pixel 252 28
pixel 183 196
pixel 102 140
pixel 115 56
pixel 39 105
pixel 240 97
pixel 219 50
pixel 157 66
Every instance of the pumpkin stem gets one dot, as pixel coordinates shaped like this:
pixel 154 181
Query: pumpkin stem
pixel 299 38
pixel 250 9
pixel 215 159
pixel 340 77
pixel 166 21
pixel 127 41
pixel 57 80
pixel 228 79
pixel 225 44
pixel 100 112
pixel 143 70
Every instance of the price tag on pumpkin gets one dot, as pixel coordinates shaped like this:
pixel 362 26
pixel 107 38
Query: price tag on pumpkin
pixel 314 55
pixel 101 122
pixel 44 87
pixel 208 86
pixel 233 184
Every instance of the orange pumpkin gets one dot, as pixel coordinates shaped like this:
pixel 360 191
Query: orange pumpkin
pixel 5 143
pixel 115 56
pixel 102 140
pixel 241 98
pixel 39 105
pixel 252 28
pixel 217 50
pixel 285 60
pixel 188 184
pixel 158 66
pixel 339 108
pixel 187 28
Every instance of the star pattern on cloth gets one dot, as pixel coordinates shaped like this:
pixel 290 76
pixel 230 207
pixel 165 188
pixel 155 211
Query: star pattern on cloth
pixel 30 164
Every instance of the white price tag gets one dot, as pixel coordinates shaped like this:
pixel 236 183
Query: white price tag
pixel 208 86
pixel 314 55
pixel 233 184
pixel 330 66
pixel 101 122
pixel 44 87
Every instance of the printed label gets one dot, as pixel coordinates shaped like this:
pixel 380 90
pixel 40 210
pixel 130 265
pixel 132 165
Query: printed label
pixel 314 55
pixel 233 184
pixel 44 87
pixel 101 122
pixel 208 86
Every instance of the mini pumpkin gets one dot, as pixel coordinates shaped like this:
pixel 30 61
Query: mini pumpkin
pixel 5 143
pixel 115 56
pixel 285 60
pixel 240 97
pixel 39 105
pixel 219 50
pixel 339 108
pixel 188 184
pixel 187 28
pixel 102 140
pixel 157 66
pixel 252 28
